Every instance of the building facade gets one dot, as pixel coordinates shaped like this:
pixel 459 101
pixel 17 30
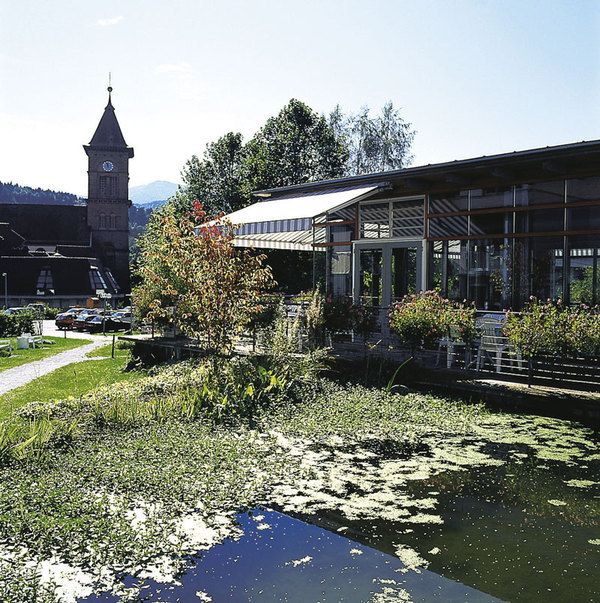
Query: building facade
pixel 63 255
pixel 492 230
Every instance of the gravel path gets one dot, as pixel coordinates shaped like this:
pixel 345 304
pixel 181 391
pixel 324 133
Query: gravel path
pixel 21 375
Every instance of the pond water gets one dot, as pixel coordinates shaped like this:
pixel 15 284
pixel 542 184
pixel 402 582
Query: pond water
pixel 510 514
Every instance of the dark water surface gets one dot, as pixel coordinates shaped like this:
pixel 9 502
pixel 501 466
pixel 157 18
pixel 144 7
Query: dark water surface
pixel 524 530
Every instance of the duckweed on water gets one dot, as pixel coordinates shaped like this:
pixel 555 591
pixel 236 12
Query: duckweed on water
pixel 138 494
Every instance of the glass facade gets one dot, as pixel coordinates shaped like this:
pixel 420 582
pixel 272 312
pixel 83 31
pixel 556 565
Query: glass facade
pixel 496 247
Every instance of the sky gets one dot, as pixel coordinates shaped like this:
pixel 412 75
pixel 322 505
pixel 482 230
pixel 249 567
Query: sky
pixel 473 77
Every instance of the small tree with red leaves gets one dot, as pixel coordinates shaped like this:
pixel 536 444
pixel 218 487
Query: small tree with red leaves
pixel 194 279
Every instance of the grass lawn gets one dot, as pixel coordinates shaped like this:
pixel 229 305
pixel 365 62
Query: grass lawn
pixel 19 357
pixel 71 380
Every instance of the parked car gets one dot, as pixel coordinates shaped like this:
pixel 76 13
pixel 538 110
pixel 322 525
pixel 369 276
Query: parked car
pixel 124 318
pixel 15 310
pixel 64 320
pixel 95 324
pixel 80 322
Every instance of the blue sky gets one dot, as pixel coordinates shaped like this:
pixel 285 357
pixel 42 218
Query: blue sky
pixel 474 77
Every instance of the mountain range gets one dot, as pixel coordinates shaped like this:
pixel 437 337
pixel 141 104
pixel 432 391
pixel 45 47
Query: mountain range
pixel 153 194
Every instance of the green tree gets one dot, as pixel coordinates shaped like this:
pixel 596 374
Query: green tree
pixel 298 145
pixel 217 178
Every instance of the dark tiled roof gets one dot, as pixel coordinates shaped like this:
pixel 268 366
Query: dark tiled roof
pixel 70 275
pixel 48 223
pixel 108 133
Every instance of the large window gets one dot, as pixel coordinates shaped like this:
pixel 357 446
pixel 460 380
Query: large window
pixel 400 219
pixel 375 221
pixel 490 270
pixel 448 274
pixel 407 219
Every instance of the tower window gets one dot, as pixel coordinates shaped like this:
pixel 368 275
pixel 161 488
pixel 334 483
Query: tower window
pixel 108 187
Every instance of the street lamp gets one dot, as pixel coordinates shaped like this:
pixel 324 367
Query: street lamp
pixel 5 276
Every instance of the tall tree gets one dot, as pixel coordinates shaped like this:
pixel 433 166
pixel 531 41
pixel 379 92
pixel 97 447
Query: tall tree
pixel 374 144
pixel 297 145
pixel 217 177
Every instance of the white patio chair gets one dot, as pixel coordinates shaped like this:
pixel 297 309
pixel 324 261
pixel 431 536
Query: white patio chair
pixel 450 342
pixel 492 343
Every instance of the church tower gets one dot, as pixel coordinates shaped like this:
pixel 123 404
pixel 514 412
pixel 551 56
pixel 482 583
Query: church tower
pixel 108 195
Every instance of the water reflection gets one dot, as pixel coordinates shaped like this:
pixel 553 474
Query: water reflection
pixel 280 558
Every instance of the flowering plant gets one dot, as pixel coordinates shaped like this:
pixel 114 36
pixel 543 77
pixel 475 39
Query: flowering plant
pixel 193 278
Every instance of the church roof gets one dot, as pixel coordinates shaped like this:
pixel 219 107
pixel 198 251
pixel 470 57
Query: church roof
pixel 108 135
pixel 50 224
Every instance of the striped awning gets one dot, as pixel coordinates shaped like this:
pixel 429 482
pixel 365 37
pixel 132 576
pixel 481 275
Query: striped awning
pixel 287 222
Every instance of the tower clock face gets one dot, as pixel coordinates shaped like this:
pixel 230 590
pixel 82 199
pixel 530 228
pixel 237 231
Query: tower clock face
pixel 107 166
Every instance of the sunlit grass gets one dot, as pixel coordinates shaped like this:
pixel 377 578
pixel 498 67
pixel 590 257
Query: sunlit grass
pixel 71 380
pixel 20 357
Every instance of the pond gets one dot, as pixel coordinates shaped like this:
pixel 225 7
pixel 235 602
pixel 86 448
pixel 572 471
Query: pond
pixel 511 513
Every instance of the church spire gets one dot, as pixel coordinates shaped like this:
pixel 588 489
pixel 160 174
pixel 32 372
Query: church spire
pixel 109 89
pixel 108 135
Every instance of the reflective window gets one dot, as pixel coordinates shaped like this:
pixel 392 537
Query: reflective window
pixel 407 219
pixel 455 226
pixel 490 270
pixel 449 268
pixel 404 272
pixel 584 218
pixel 487 224
pixel 449 202
pixel 583 189
pixel 584 270
pixel 370 283
pixel 538 269
pixel 45 281
pixel 540 193
pixel 375 221
pixel 540 220
pixel 496 197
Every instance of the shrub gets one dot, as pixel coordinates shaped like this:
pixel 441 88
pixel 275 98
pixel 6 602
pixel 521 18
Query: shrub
pixel 194 279
pixel 554 329
pixel 363 320
pixel 314 320
pixel 337 314
pixel 420 319
pixel 14 324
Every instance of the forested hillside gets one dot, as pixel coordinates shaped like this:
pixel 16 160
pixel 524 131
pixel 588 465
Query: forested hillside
pixel 14 193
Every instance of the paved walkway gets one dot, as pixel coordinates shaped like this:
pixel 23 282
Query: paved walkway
pixel 21 375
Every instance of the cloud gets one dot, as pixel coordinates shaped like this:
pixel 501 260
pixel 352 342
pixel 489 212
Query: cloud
pixel 110 21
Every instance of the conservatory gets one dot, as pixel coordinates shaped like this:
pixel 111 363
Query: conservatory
pixel 493 230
